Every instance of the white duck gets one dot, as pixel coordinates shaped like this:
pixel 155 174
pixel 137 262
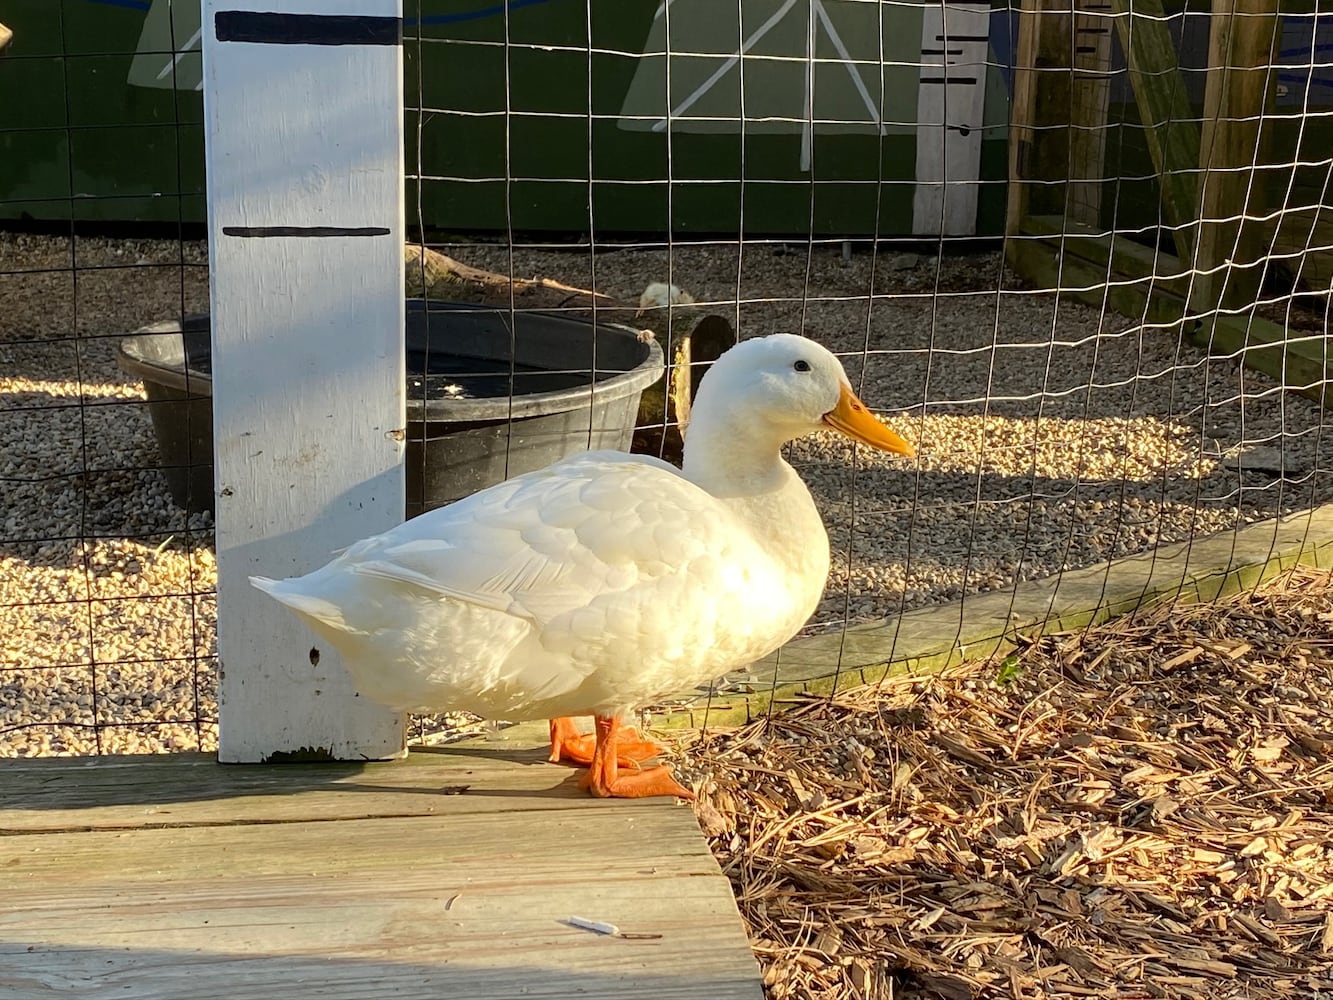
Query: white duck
pixel 606 580
pixel 660 295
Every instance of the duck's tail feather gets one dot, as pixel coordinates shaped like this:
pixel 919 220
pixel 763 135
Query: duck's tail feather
pixel 306 604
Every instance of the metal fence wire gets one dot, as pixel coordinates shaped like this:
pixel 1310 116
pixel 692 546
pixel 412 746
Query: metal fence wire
pixel 1079 253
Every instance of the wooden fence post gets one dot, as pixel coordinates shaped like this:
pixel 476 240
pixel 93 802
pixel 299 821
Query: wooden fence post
pixel 1242 53
pixel 1169 124
pixel 304 145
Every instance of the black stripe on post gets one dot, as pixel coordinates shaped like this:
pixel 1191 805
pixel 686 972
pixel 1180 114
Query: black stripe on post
pixel 261 232
pixel 306 29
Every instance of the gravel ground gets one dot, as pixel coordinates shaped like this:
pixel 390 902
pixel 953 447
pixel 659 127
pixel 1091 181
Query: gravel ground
pixel 1100 440
pixel 96 564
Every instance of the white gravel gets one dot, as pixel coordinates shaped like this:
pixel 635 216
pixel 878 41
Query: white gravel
pixel 1100 439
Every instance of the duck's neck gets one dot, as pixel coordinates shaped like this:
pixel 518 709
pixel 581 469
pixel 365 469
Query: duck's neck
pixel 740 462
pixel 731 457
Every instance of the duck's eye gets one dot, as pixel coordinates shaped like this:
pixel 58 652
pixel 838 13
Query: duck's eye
pixel 802 366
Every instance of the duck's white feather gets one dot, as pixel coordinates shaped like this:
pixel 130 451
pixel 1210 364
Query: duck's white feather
pixel 631 583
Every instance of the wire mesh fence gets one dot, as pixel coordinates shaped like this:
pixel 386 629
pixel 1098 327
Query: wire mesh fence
pixel 107 608
pixel 1078 254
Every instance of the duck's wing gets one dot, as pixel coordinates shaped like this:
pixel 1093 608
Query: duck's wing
pixel 566 541
pixel 607 557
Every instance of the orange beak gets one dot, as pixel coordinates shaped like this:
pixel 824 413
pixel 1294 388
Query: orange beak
pixel 851 417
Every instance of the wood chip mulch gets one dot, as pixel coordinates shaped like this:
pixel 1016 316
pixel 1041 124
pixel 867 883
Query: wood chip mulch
pixel 1140 810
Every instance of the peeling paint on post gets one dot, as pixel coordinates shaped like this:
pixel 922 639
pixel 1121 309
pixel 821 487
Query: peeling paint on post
pixel 303 113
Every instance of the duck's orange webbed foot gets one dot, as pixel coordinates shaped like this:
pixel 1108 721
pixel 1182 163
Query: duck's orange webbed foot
pixel 636 785
pixel 568 744
pixel 605 779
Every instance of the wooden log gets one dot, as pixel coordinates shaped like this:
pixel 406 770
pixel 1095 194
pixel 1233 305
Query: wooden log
pixel 664 407
pixel 433 275
pixel 709 335
pixel 692 339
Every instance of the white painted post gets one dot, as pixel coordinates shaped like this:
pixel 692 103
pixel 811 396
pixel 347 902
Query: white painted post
pixel 950 113
pixel 303 111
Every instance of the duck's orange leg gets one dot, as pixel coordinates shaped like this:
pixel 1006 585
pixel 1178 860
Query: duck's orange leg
pixel 568 744
pixel 605 779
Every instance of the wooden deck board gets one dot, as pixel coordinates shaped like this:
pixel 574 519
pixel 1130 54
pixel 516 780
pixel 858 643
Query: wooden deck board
pixel 191 789
pixel 174 876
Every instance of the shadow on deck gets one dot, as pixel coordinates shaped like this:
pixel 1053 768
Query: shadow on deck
pixel 448 874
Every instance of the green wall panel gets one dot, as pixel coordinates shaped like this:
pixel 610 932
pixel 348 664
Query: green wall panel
pixel 109 124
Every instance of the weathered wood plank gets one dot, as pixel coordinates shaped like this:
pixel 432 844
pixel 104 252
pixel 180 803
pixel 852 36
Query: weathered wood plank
pixel 1152 286
pixel 1169 123
pixel 446 906
pixel 305 196
pixel 1089 101
pixel 1080 277
pixel 1295 360
pixel 55 794
pixel 1058 117
pixel 1241 52
pixel 931 639
pixel 1305 238
pixel 1116 257
pixel 1038 129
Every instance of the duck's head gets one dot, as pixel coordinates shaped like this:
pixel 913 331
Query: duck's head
pixel 660 295
pixel 785 387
